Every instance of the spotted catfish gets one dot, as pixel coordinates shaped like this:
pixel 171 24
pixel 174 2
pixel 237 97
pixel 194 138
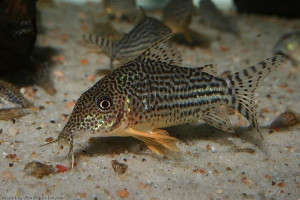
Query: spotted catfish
pixel 143 35
pixel 154 91
pixel 12 103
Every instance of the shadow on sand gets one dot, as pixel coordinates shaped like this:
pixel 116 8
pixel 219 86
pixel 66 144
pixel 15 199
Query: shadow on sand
pixel 185 133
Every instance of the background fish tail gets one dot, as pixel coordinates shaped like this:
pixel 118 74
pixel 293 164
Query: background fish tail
pixel 242 86
pixel 104 43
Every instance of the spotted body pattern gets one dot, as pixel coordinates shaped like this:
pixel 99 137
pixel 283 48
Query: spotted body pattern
pixel 10 97
pixel 12 103
pixel 143 35
pixel 154 91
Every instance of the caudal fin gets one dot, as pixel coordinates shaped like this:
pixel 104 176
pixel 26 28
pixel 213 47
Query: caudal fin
pixel 104 43
pixel 242 86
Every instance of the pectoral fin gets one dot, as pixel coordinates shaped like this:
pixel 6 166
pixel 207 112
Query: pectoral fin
pixel 156 141
pixel 218 118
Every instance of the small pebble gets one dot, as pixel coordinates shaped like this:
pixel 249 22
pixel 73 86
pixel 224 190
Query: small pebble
pixel 120 168
pixel 38 169
pixel 81 195
pixel 49 139
pixel 285 119
pixel 219 191
pixel 245 150
pixel 123 193
pixel 8 175
pixel 11 156
pixel 61 168
pixel 281 184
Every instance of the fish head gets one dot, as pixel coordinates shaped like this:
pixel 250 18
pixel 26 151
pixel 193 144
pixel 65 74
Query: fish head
pixel 291 41
pixel 288 43
pixel 99 110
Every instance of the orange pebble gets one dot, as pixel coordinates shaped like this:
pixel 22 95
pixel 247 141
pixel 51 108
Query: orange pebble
pixel 281 184
pixel 70 104
pixel 290 90
pixel 208 147
pixel 223 48
pixel 84 61
pixel 90 78
pixel 201 171
pixel 74 164
pixel 8 175
pixel 82 195
pixel 143 185
pixel 60 58
pixel 61 168
pixel 282 85
pixel 265 110
pixel 59 74
pixel 123 193
pixel 64 37
pixel 267 176
pixel 49 139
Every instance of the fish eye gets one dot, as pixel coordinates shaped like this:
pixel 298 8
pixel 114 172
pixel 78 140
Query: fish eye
pixel 104 103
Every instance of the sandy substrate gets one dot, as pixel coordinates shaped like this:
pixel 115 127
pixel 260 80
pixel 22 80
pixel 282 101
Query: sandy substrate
pixel 211 164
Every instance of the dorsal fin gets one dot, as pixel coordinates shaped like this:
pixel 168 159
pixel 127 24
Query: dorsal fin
pixel 209 68
pixel 141 15
pixel 161 51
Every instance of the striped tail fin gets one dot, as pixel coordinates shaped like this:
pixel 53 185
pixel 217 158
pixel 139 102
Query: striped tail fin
pixel 105 44
pixel 242 86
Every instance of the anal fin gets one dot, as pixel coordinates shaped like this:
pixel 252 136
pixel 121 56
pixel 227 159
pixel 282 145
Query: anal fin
pixel 218 118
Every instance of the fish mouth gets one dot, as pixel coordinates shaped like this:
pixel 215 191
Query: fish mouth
pixel 62 139
pixel 66 137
